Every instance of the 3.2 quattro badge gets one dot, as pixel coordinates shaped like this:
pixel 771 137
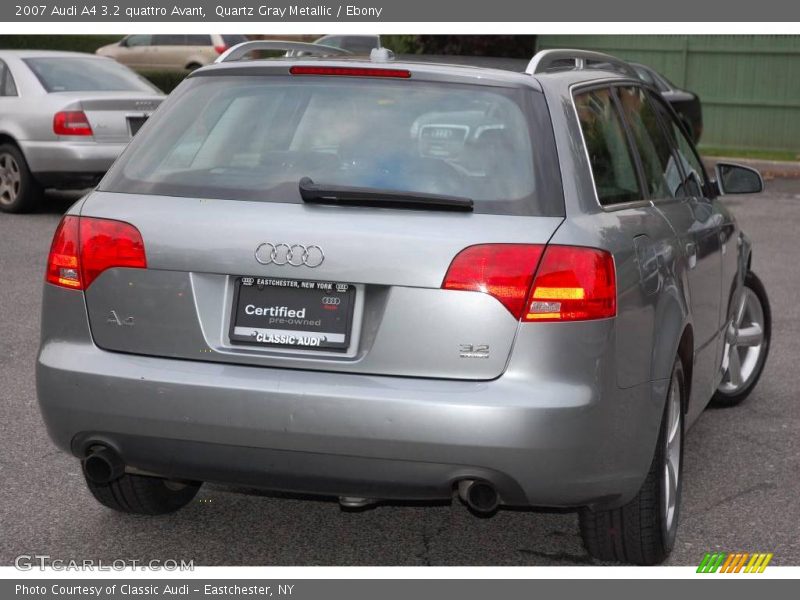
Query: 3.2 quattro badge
pixel 284 254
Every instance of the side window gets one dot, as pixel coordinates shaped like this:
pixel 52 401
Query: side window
pixel 335 41
pixel 694 178
pixel 7 85
pixel 133 41
pixel 609 153
pixel 197 40
pixel 168 40
pixel 662 175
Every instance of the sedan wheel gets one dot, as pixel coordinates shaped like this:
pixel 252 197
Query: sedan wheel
pixel 746 343
pixel 10 179
pixel 19 190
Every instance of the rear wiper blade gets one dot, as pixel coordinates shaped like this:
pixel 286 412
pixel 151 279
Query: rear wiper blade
pixel 316 193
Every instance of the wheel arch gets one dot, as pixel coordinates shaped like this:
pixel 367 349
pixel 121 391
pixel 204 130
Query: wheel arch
pixel 6 138
pixel 686 354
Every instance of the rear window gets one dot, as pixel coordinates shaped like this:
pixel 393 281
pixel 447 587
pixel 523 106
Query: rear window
pixel 254 138
pixel 77 74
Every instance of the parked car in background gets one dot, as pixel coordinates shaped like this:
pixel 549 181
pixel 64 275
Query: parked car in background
pixel 350 44
pixel 357 44
pixel 402 280
pixel 64 118
pixel 172 51
pixel 685 103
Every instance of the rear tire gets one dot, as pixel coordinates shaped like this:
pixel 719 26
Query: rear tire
pixel 745 352
pixel 142 495
pixel 19 190
pixel 643 531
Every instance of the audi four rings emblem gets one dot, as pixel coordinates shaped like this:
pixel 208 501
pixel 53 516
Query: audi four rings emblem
pixel 284 254
pixel 331 300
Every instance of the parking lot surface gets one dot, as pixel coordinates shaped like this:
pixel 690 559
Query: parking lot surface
pixel 741 486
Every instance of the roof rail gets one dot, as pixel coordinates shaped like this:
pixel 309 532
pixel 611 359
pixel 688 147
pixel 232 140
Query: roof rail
pixel 546 59
pixel 240 50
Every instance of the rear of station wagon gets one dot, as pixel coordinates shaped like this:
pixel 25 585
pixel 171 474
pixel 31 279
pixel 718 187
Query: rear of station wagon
pixel 370 281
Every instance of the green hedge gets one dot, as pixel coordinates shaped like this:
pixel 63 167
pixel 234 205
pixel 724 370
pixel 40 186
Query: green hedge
pixel 166 81
pixel 69 43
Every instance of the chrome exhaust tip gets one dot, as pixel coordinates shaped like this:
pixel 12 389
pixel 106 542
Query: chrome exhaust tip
pixel 356 502
pixel 480 496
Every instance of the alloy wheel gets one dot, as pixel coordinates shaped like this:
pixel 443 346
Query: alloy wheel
pixel 10 179
pixel 672 454
pixel 744 343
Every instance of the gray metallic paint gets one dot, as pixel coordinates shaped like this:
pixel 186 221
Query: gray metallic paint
pixel 568 412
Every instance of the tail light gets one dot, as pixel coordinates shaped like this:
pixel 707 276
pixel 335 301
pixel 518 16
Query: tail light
pixel 351 71
pixel 573 284
pixel 504 271
pixel 220 48
pixel 84 247
pixel 538 283
pixel 71 122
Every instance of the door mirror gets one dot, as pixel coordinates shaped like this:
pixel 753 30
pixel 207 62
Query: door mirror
pixel 736 179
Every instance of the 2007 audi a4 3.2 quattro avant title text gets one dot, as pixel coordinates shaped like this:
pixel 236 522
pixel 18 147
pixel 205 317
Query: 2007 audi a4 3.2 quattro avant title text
pixel 379 280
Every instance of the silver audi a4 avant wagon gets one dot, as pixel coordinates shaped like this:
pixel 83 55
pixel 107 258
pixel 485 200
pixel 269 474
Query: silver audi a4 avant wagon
pixel 381 280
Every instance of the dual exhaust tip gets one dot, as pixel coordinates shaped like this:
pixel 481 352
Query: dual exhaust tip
pixel 103 465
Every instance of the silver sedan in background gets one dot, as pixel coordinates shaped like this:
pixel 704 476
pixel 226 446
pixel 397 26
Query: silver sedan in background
pixel 64 118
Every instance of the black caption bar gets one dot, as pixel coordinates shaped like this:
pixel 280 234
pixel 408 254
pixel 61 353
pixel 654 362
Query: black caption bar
pixel 385 589
pixel 405 11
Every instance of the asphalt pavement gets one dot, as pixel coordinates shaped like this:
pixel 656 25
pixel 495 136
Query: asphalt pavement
pixel 741 485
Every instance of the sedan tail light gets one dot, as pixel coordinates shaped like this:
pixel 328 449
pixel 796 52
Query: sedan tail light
pixel 220 48
pixel 538 283
pixel 84 247
pixel 71 122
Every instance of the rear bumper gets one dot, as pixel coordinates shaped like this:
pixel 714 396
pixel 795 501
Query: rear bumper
pixel 542 443
pixel 62 158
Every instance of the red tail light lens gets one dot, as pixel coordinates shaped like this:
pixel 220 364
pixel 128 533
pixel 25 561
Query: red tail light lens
pixel 84 247
pixel 71 122
pixel 63 263
pixel 219 49
pixel 570 284
pixel 504 271
pixel 351 72
pixel 573 284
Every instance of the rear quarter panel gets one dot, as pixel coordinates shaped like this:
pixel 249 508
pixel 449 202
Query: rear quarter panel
pixel 652 308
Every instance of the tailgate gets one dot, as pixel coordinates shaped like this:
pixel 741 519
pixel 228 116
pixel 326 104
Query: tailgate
pixel 220 273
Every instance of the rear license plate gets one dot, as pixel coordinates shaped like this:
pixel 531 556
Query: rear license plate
pixel 135 124
pixel 290 313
